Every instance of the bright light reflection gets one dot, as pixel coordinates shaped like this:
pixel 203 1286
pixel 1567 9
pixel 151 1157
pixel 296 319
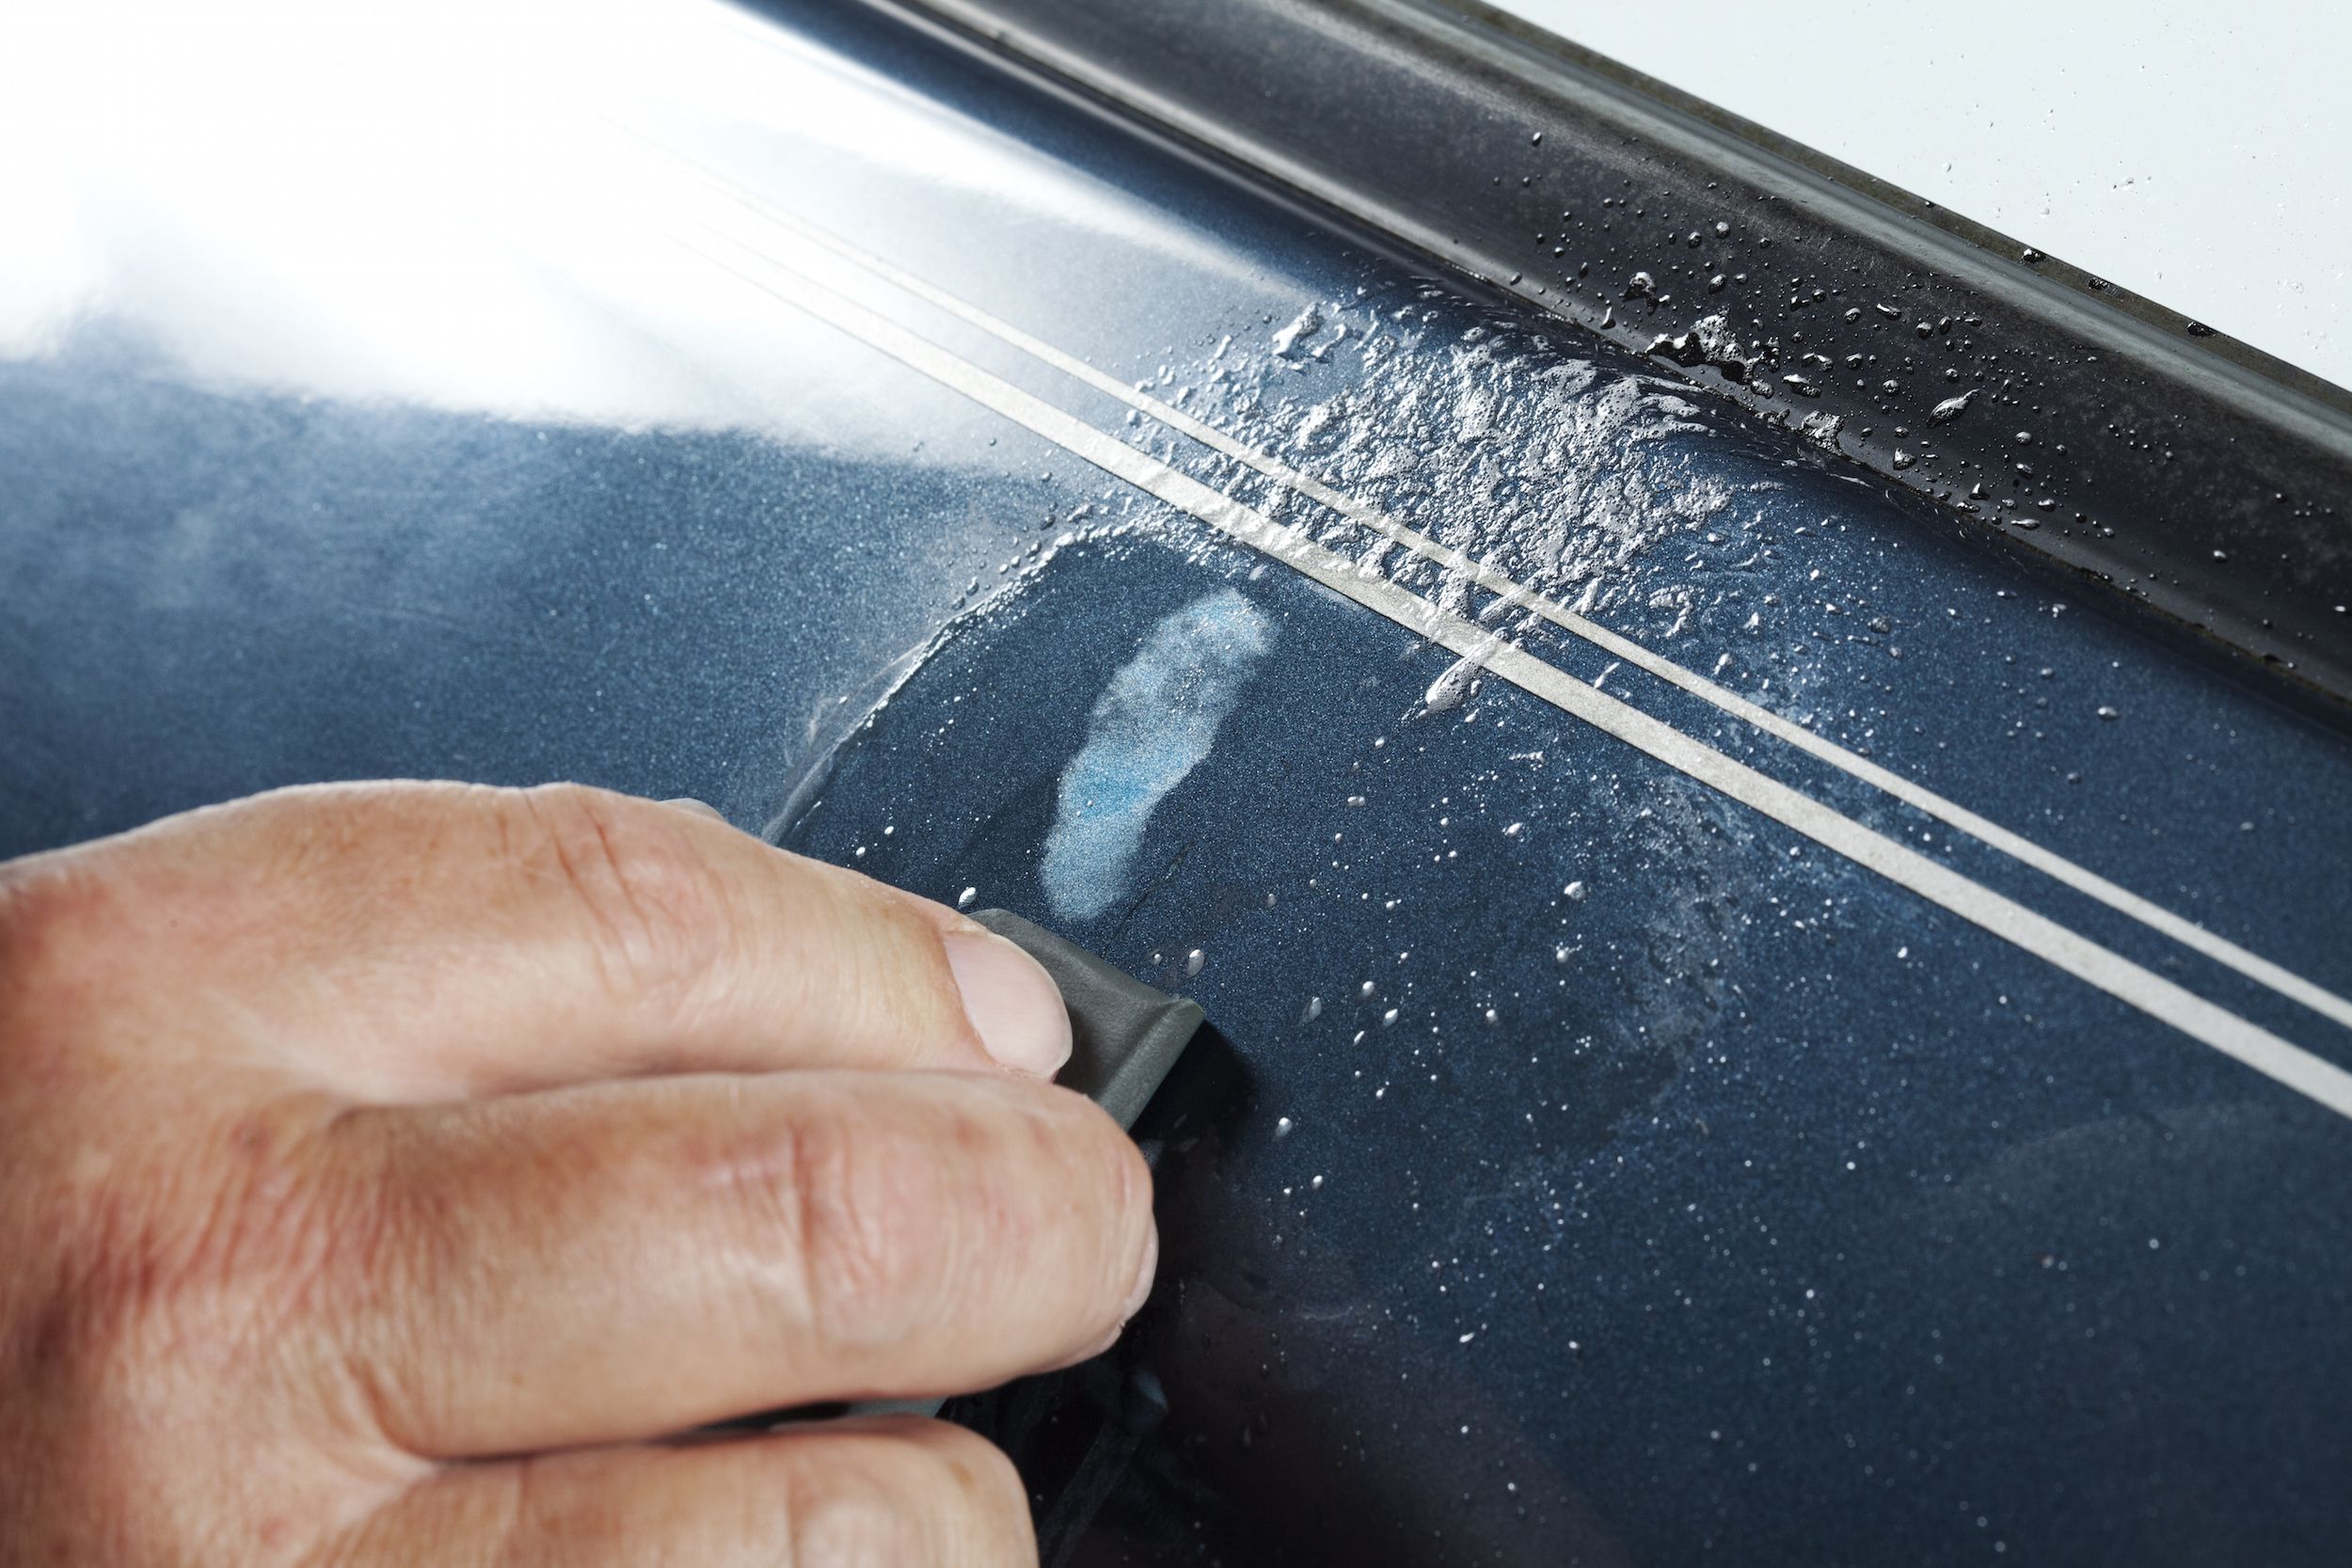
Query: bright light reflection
pixel 454 202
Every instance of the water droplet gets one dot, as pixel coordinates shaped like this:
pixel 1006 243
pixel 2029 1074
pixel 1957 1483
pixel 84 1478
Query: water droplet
pixel 1574 889
pixel 1312 1011
pixel 1302 325
pixel 2106 712
pixel 1950 408
pixel 1283 1126
pixel 1514 830
pixel 1447 691
pixel 1903 460
pixel 965 900
pixel 1193 960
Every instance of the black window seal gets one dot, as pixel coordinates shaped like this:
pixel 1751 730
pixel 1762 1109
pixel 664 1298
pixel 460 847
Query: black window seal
pixel 2201 478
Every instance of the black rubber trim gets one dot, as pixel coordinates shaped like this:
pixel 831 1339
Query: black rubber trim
pixel 2081 422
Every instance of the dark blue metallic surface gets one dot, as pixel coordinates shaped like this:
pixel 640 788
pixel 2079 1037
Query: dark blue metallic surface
pixel 1732 1230
pixel 1776 1215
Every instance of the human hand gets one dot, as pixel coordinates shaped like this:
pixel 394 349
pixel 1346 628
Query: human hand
pixel 385 1168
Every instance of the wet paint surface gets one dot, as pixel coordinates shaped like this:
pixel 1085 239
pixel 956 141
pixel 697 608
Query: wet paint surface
pixel 1601 1166
pixel 1773 1215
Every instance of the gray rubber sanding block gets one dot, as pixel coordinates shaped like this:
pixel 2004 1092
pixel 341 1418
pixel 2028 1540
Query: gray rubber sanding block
pixel 1124 1036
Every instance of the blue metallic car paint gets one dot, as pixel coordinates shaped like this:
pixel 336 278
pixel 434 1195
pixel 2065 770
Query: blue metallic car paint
pixel 1582 1166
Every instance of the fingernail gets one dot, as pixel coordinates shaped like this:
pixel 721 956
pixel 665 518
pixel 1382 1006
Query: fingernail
pixel 1140 1292
pixel 1012 1002
pixel 700 808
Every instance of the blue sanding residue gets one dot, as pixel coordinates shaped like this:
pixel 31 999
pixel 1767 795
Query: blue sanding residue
pixel 1154 723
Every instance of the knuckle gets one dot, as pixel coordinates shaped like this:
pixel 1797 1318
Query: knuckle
pixel 163 1279
pixel 861 1210
pixel 879 1224
pixel 654 907
pixel 240 1236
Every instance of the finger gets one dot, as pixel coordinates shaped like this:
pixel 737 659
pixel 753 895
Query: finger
pixel 908 1493
pixel 614 1261
pixel 413 941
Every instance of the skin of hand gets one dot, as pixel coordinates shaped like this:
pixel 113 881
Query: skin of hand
pixel 389 1172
